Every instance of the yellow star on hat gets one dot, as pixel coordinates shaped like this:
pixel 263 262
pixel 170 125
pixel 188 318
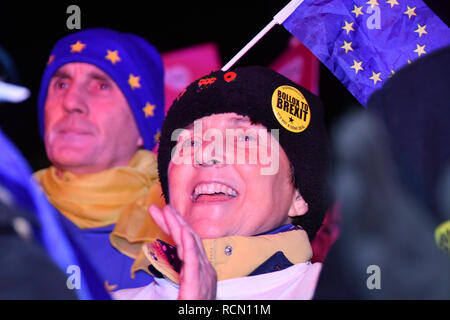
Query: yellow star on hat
pixel 157 136
pixel 50 59
pixel 148 109
pixel 113 56
pixel 77 47
pixel 133 81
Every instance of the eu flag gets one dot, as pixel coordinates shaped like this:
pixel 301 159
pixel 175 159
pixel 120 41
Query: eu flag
pixel 363 42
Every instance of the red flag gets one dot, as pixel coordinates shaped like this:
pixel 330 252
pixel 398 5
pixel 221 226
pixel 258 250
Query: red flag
pixel 185 65
pixel 327 234
pixel 298 64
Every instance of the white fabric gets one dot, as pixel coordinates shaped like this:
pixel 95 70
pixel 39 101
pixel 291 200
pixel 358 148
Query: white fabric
pixel 297 282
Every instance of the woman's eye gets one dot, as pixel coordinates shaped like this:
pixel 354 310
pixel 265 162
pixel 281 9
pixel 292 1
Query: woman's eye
pixel 247 138
pixel 191 143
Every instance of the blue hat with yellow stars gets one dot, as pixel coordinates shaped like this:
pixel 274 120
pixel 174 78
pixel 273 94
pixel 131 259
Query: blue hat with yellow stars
pixel 134 65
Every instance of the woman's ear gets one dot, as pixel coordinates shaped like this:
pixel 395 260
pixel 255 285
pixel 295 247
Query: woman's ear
pixel 298 206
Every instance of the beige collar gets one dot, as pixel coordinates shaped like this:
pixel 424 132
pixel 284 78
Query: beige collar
pixel 236 256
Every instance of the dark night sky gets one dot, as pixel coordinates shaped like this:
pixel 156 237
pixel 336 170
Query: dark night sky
pixel 28 32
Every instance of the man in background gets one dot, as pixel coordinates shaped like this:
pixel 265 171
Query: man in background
pixel 100 108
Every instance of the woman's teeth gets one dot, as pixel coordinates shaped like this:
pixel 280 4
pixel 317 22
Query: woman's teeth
pixel 211 189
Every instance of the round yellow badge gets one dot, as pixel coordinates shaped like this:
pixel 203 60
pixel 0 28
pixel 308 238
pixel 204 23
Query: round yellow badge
pixel 291 108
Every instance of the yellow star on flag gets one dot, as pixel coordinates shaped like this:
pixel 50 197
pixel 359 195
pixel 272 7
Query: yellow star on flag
pixel 348 27
pixel 347 46
pixel 410 12
pixel 392 73
pixel 421 30
pixel 373 3
pixel 420 50
pixel 375 77
pixel 357 11
pixel 133 81
pixel 77 47
pixel 113 56
pixel 392 3
pixel 148 109
pixel 357 66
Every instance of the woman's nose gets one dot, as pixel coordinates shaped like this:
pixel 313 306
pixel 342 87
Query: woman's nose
pixel 210 153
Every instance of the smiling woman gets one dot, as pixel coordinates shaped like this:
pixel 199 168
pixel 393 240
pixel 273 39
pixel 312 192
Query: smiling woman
pixel 240 232
pixel 214 195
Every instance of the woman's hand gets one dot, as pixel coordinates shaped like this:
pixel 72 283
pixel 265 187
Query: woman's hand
pixel 198 279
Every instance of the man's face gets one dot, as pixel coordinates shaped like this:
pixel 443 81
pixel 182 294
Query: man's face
pixel 89 126
pixel 222 198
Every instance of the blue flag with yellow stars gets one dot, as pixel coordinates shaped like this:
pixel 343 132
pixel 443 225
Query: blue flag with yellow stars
pixel 363 42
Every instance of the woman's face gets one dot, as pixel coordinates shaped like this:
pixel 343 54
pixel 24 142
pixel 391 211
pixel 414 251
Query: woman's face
pixel 219 182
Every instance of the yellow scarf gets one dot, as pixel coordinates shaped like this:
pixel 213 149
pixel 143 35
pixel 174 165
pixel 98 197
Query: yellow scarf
pixel 120 196
pixel 237 256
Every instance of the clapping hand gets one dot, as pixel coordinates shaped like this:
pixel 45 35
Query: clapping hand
pixel 198 279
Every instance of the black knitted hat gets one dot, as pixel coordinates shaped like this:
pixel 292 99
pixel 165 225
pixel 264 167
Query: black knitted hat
pixel 275 102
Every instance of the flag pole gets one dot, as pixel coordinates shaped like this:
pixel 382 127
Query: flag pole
pixel 279 18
